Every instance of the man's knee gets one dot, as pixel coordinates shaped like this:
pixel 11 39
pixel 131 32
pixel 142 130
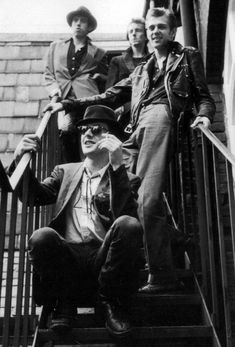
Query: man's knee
pixel 129 227
pixel 44 237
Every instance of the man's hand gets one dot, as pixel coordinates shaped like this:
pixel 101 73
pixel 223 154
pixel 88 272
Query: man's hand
pixel 99 76
pixel 53 107
pixel 114 147
pixel 201 120
pixel 29 143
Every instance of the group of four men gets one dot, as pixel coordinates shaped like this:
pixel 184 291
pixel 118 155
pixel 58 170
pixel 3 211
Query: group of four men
pixel 102 212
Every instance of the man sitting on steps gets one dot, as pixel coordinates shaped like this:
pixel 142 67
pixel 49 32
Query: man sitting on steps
pixel 94 239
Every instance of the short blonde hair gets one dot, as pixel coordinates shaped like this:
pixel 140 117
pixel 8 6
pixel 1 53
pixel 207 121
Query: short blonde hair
pixel 162 11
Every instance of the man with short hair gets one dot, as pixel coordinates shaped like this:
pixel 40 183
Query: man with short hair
pixel 168 86
pixel 93 243
pixel 122 66
pixel 75 68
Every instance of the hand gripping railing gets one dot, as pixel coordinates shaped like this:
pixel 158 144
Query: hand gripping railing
pixel 20 169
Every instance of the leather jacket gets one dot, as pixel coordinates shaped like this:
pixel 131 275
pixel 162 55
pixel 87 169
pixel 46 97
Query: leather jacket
pixel 185 85
pixel 122 66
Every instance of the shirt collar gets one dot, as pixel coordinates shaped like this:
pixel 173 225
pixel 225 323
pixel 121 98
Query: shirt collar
pixel 99 173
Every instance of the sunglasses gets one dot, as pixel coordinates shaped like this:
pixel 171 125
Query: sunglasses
pixel 95 129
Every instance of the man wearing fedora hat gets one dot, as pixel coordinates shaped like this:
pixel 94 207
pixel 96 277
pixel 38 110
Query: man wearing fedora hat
pixel 93 243
pixel 74 68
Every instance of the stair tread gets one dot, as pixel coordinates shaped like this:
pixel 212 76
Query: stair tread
pixel 174 298
pixel 162 299
pixel 152 332
pixel 179 272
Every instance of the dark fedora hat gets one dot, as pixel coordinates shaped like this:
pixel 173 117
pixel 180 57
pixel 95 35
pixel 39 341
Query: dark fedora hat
pixel 82 11
pixel 104 114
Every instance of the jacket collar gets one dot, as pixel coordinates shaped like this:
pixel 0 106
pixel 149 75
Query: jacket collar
pixel 70 39
pixel 128 58
pixel 70 187
pixel 150 63
pixel 175 51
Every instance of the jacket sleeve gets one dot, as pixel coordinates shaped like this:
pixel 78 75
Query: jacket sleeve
pixel 102 63
pixel 43 193
pixel 203 101
pixel 113 97
pixel 113 73
pixel 102 70
pixel 50 82
pixel 124 192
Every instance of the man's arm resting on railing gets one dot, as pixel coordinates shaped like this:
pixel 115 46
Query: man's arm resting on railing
pixel 43 192
pixel 113 97
pixel 201 120
pixel 29 143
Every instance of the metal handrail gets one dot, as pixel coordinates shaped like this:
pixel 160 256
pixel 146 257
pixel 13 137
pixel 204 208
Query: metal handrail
pixel 215 225
pixel 218 144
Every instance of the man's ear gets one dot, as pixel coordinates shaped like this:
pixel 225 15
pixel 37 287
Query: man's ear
pixel 173 33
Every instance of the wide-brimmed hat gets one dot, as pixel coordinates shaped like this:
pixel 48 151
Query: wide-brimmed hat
pixel 100 113
pixel 82 11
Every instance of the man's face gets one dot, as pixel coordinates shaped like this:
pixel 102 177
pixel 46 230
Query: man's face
pixel 136 34
pixel 91 134
pixel 80 26
pixel 159 32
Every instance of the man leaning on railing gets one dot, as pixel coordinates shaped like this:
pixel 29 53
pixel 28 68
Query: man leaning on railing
pixel 75 67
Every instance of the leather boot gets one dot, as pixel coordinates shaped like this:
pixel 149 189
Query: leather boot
pixel 116 318
pixel 62 317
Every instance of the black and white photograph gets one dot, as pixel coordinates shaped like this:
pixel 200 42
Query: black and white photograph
pixel 117 173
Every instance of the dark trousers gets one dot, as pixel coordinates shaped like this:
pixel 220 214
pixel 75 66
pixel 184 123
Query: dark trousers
pixel 148 153
pixel 70 138
pixel 70 271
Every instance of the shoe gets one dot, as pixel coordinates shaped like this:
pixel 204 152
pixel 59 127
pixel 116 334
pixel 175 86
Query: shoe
pixel 117 321
pixel 159 288
pixel 62 318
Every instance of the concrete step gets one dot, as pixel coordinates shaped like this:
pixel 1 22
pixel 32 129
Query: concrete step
pixel 196 336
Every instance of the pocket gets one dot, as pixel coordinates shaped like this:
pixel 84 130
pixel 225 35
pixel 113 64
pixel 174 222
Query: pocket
pixel 181 85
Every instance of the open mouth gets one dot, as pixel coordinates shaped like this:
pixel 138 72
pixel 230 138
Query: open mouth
pixel 156 38
pixel 88 143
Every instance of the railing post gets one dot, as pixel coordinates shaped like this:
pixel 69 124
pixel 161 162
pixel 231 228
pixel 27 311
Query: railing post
pixel 205 226
pixel 188 22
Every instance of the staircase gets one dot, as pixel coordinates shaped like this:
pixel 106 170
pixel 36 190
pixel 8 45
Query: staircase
pixel 177 319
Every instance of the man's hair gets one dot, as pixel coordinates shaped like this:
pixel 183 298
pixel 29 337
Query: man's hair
pixel 137 20
pixel 162 11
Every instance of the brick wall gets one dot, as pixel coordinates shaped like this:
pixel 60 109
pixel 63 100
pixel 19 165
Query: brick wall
pixel 22 95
